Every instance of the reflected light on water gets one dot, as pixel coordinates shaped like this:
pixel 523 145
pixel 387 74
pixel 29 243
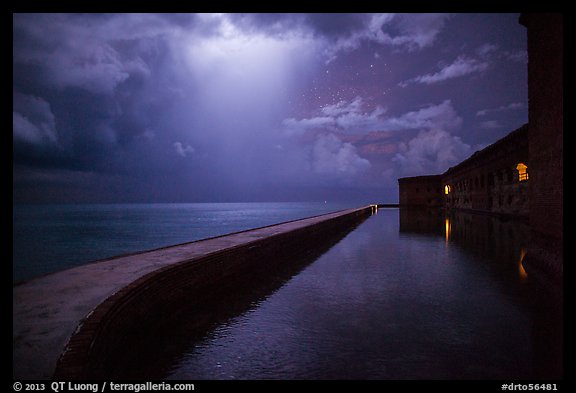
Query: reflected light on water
pixel 448 229
pixel 377 305
pixel 521 270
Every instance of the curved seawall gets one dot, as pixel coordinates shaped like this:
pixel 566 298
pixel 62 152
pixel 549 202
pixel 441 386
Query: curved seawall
pixel 81 323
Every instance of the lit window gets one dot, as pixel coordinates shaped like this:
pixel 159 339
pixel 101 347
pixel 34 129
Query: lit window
pixel 447 189
pixel 522 172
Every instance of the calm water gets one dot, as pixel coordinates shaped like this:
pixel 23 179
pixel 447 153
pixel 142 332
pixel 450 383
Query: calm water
pixel 406 295
pixel 49 238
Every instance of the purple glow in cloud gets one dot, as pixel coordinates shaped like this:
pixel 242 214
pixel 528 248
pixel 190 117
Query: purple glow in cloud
pixel 218 107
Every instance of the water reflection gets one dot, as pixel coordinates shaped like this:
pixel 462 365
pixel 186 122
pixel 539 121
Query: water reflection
pixel 502 245
pixel 521 270
pixel 406 295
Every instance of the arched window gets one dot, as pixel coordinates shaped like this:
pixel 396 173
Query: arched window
pixel 522 172
pixel 447 189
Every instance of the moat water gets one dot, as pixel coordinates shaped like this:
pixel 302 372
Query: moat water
pixel 405 295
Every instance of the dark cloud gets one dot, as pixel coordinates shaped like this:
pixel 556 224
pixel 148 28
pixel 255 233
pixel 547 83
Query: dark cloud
pixel 33 120
pixel 269 23
pixel 323 25
pixel 337 25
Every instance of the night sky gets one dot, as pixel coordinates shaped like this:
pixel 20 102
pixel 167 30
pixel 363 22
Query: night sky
pixel 256 107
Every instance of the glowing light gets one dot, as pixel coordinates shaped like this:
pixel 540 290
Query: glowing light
pixel 447 189
pixel 448 228
pixel 521 271
pixel 522 171
pixel 236 68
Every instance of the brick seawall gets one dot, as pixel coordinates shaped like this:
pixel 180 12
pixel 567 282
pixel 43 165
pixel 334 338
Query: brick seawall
pixel 80 323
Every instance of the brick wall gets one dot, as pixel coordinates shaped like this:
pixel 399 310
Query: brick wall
pixel 545 113
pixel 130 323
pixel 420 191
pixel 489 180
pixel 486 181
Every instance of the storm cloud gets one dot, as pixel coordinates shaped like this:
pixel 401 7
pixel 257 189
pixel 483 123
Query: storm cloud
pixel 226 107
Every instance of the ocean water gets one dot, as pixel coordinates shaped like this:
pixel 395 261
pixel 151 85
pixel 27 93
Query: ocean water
pixel 50 238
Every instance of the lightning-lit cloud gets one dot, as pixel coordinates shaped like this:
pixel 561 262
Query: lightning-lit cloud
pixel 431 152
pixel 190 107
pixel 332 157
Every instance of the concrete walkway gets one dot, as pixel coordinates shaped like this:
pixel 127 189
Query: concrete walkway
pixel 47 310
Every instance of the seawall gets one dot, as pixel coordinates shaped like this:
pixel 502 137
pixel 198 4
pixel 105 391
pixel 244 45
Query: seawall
pixel 81 323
